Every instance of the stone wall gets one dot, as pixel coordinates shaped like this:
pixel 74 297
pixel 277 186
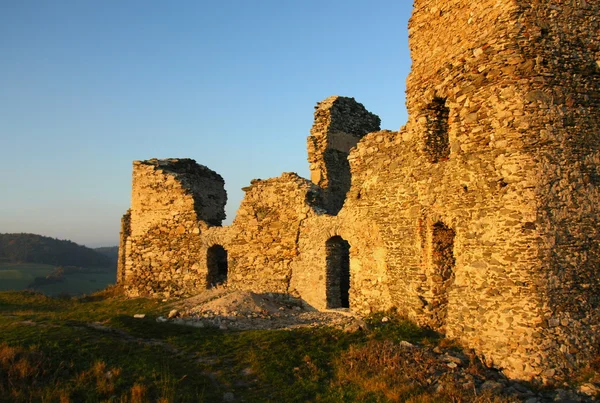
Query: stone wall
pixel 340 123
pixel 167 189
pixel 172 202
pixel 266 231
pixel 368 264
pixel 479 218
pixel 563 106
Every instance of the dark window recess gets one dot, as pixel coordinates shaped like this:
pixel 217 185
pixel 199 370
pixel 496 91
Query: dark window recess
pixel 216 260
pixel 437 142
pixel 338 273
pixel 442 260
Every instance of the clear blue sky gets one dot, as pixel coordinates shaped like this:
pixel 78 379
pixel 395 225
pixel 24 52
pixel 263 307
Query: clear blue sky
pixel 86 87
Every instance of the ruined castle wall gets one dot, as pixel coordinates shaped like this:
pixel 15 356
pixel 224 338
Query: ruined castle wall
pixel 479 218
pixel 368 269
pixel 446 36
pixel 479 142
pixel 266 231
pixel 172 201
pixel 483 296
pixel 452 193
pixel 167 189
pixel 339 124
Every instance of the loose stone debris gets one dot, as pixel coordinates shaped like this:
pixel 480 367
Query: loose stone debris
pixel 245 310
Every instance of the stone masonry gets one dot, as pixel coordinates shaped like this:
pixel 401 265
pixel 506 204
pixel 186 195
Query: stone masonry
pixel 339 124
pixel 479 218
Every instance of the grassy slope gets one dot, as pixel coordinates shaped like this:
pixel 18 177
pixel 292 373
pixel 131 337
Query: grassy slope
pixel 92 349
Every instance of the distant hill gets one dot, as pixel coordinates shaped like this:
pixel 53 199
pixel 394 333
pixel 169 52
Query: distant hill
pixel 32 248
pixel 110 251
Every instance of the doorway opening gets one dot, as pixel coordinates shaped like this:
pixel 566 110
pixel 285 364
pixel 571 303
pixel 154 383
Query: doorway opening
pixel 338 273
pixel 216 260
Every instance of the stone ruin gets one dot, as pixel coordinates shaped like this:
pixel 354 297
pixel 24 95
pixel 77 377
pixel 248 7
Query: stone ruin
pixel 480 218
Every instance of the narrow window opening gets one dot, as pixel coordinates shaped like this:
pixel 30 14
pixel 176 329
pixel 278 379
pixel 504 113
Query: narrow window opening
pixel 338 273
pixel 216 260
pixel 442 260
pixel 437 142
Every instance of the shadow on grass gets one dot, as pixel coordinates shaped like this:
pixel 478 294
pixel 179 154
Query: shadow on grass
pixel 14 301
pixel 73 362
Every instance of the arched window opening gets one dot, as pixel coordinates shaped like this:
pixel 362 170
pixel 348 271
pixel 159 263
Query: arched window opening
pixel 216 260
pixel 437 142
pixel 338 273
pixel 442 260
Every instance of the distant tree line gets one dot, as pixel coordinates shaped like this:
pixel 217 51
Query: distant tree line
pixel 110 251
pixel 32 248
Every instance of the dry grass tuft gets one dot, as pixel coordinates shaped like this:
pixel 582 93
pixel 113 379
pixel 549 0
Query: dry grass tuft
pixel 384 370
pixel 589 373
pixel 102 378
pixel 20 368
pixel 18 365
pixel 7 354
pixel 64 397
pixel 138 393
pixel 112 291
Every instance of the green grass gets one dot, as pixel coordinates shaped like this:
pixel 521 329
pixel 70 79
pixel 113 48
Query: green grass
pixel 80 283
pixel 92 349
pixel 18 276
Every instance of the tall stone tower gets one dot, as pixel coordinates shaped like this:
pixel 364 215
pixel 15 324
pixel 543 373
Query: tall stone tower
pixel 504 105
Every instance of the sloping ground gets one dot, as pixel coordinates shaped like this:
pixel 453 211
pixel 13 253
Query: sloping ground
pixel 93 349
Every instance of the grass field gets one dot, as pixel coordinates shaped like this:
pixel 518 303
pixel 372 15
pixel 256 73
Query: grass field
pixel 80 283
pixel 17 276
pixel 91 349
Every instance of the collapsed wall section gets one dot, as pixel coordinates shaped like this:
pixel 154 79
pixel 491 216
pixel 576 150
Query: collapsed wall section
pixel 340 122
pixel 266 230
pixel 173 201
pixel 164 189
